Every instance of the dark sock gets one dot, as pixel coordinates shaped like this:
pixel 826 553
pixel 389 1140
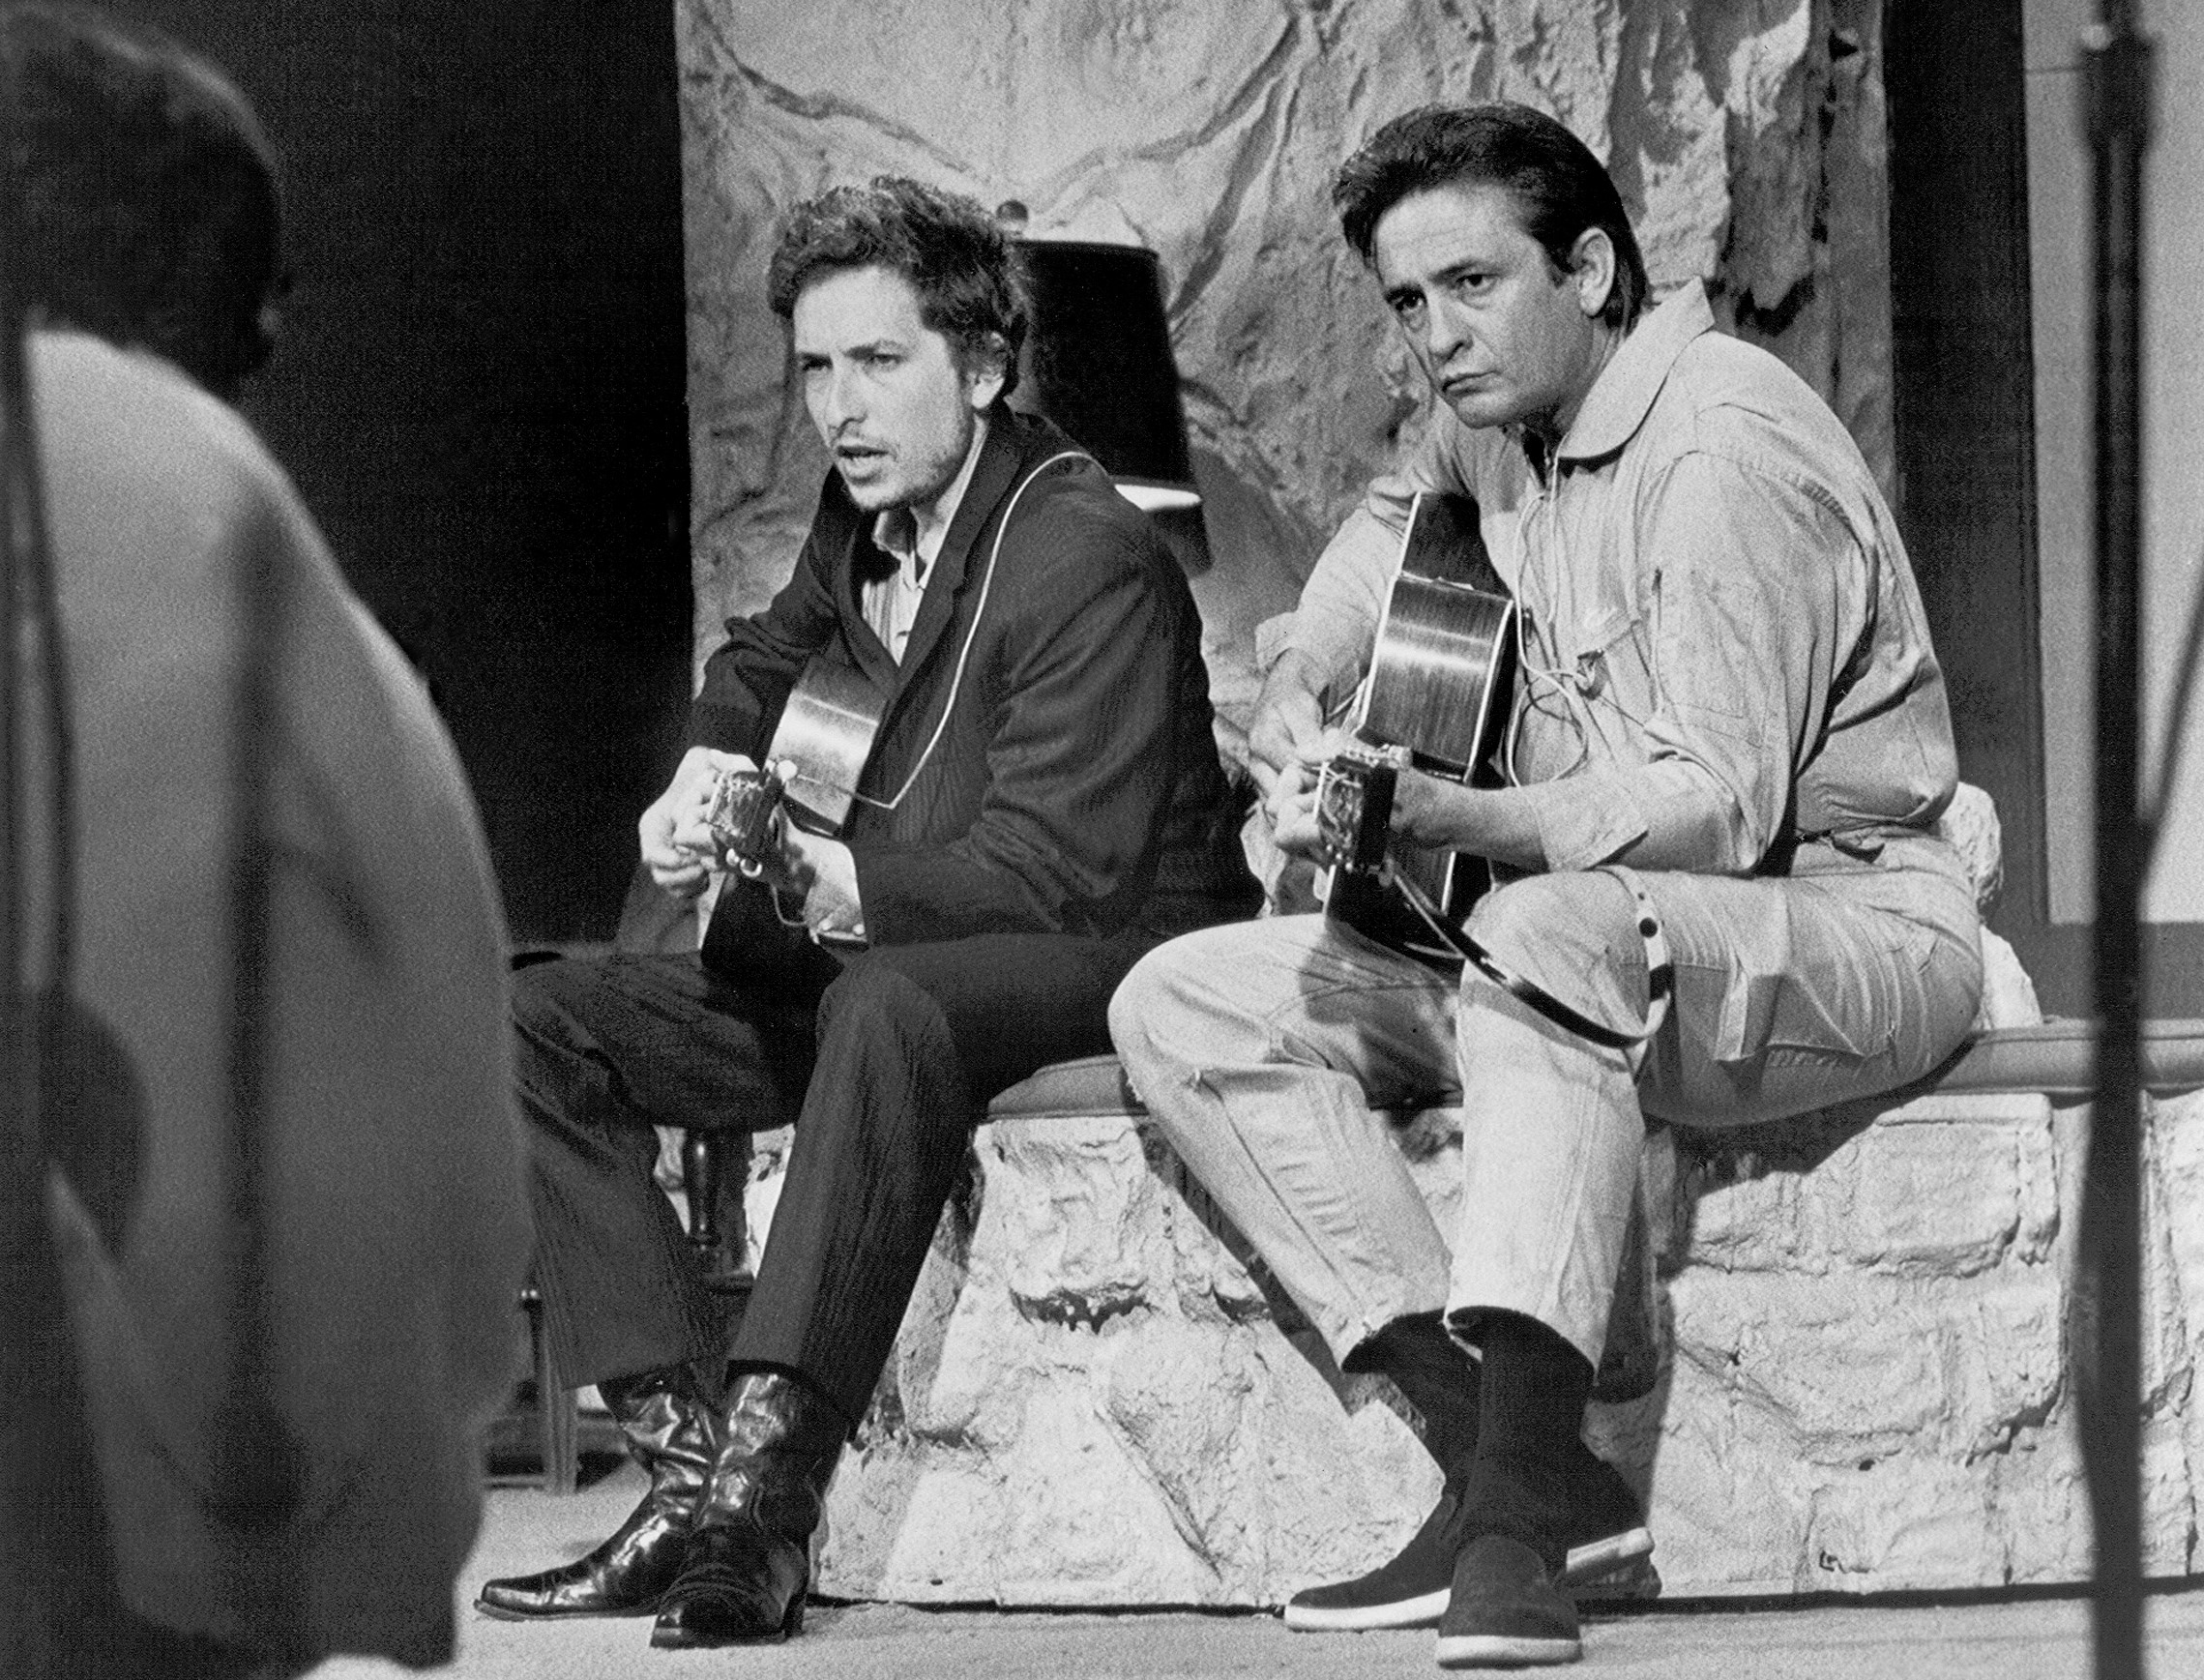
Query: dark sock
pixel 1529 1437
pixel 1429 1367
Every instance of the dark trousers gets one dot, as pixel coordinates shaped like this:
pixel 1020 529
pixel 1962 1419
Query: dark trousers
pixel 884 1063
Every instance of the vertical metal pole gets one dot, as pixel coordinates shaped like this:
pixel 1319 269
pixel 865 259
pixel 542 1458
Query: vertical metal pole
pixel 2116 96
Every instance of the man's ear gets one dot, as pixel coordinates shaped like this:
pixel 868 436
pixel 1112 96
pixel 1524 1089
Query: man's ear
pixel 986 368
pixel 1592 266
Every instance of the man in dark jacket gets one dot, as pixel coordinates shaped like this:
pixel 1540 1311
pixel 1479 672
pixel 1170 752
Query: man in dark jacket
pixel 1042 804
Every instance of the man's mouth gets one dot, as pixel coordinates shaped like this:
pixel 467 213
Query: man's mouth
pixel 858 455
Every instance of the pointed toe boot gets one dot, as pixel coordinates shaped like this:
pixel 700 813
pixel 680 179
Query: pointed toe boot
pixel 668 1426
pixel 748 1561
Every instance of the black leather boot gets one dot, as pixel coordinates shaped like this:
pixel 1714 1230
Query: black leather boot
pixel 749 1562
pixel 667 1425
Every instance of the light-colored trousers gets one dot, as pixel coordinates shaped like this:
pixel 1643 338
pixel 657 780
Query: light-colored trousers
pixel 1262 1048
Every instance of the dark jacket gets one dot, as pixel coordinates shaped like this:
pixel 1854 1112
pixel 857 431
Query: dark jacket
pixel 1076 786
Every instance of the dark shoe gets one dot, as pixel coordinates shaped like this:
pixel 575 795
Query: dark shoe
pixel 1607 1526
pixel 749 1562
pixel 668 1429
pixel 1506 1611
pixel 1435 1376
pixel 1606 1530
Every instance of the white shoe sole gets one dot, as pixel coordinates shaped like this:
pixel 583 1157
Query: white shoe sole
pixel 1597 1557
pixel 1499 1651
pixel 1587 1562
pixel 1422 1612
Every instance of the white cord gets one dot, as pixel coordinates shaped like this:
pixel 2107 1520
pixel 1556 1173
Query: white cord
pixel 964 654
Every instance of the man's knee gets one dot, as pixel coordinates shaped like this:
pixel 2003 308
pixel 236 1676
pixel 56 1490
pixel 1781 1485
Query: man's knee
pixel 877 998
pixel 544 999
pixel 1148 992
pixel 1586 910
pixel 1573 934
pixel 1191 995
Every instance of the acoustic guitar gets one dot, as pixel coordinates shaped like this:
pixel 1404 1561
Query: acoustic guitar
pixel 1437 697
pixel 826 731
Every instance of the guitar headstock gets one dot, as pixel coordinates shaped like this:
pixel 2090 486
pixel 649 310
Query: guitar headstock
pixel 743 816
pixel 1354 804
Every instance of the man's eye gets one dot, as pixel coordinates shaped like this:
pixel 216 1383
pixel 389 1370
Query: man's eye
pixel 1408 308
pixel 1470 284
pixel 880 360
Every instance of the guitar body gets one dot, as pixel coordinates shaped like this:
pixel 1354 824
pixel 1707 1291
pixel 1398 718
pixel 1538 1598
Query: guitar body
pixel 1437 699
pixel 827 727
pixel 826 733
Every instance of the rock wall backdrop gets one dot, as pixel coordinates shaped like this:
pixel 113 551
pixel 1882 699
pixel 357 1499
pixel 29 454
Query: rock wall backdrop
pixel 1747 137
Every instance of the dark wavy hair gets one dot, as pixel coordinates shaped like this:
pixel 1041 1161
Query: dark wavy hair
pixel 1559 188
pixel 965 267
pixel 148 210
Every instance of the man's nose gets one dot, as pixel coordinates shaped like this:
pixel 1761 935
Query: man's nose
pixel 1445 329
pixel 843 399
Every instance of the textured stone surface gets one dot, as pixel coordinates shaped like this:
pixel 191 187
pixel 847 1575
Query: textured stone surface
pixel 1746 137
pixel 1863 1386
pixel 1090 1404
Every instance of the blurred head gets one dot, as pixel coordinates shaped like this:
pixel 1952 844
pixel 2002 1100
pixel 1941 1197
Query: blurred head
pixel 147 196
pixel 907 308
pixel 1504 254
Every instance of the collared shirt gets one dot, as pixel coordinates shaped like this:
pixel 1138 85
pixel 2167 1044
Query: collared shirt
pixel 892 602
pixel 1724 650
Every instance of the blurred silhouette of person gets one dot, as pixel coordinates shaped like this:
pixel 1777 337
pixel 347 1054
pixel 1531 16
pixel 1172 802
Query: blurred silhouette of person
pixel 233 1445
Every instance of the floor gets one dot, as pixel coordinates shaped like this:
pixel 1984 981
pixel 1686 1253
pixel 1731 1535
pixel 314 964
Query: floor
pixel 2009 1637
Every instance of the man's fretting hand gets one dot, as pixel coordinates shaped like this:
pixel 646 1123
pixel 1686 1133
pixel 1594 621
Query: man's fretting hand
pixel 677 844
pixel 1292 812
pixel 1288 726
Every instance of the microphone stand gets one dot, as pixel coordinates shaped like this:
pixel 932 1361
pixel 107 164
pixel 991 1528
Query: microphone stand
pixel 2116 114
